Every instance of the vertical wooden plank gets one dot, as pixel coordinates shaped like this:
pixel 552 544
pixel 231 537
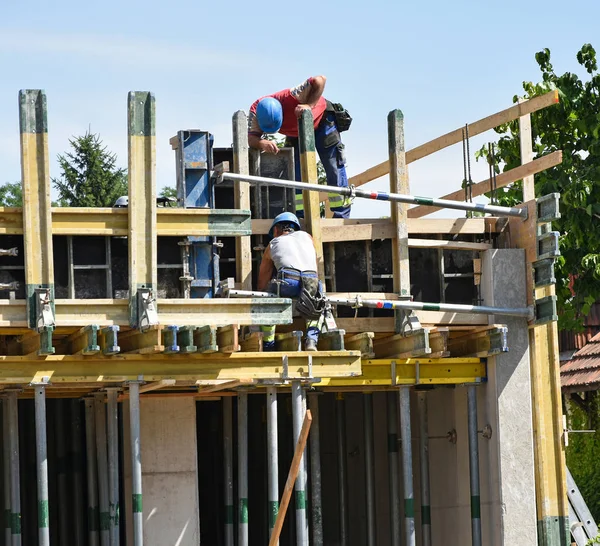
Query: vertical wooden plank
pixel 308 167
pixel 399 184
pixel 526 147
pixel 35 180
pixel 141 123
pixel 241 192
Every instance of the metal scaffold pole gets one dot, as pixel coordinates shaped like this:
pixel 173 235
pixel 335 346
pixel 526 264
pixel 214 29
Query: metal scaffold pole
pixel 315 471
pixel 340 406
pixel 298 412
pixel 91 472
pixel 424 467
pixel 136 463
pixel 369 469
pixel 381 195
pixel 6 469
pixel 407 466
pixel 42 465
pixel 15 478
pixel 228 467
pixel 112 412
pixel 474 465
pixel 392 422
pixel 77 483
pixel 102 462
pixel 272 452
pixel 242 424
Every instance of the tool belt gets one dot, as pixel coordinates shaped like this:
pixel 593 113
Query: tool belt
pixel 311 302
pixel 343 119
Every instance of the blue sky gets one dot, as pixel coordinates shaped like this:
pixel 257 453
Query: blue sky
pixel 442 63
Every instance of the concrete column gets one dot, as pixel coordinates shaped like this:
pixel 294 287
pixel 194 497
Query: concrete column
pixel 505 404
pixel 169 472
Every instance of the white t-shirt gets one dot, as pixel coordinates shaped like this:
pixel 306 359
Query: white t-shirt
pixel 295 250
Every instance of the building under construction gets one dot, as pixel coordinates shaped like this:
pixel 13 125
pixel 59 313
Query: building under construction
pixel 139 408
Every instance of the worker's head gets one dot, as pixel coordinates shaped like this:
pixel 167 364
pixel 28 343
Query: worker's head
pixel 269 114
pixel 284 223
pixel 122 202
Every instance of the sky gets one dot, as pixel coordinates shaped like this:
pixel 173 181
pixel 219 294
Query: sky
pixel 442 63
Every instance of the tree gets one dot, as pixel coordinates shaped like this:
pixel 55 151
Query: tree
pixel 169 192
pixel 572 126
pixel 11 194
pixel 90 177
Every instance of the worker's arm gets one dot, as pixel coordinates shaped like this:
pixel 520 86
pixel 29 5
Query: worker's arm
pixel 262 144
pixel 313 93
pixel 266 270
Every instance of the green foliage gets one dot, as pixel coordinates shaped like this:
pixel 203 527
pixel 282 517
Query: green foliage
pixel 572 126
pixel 592 541
pixel 90 177
pixel 11 194
pixel 583 449
pixel 169 192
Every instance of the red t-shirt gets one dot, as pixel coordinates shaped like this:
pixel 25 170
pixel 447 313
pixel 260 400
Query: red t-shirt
pixel 289 99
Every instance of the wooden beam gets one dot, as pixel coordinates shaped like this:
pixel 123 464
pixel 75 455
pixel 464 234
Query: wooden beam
pixel 102 370
pixel 141 122
pixel 84 341
pixel 480 343
pixel 308 167
pixel 291 479
pixel 526 148
pixel 502 180
pixel 403 346
pixel 398 184
pixel 241 195
pixel 35 181
pixel 227 339
pixel 27 344
pixel 448 245
pixel 362 342
pixel 148 387
pixel 476 128
pixel 332 341
pixel 224 385
pixel 289 341
pixel 252 343
pixel 205 338
pixel 147 342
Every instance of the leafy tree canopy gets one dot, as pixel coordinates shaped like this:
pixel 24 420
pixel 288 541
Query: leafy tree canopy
pixel 90 177
pixel 11 194
pixel 572 126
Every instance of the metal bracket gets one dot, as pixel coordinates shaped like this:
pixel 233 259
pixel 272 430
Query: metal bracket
pixel 285 369
pixel 547 245
pixel 543 272
pixel 42 381
pixel 393 372
pixel 225 286
pixel 43 309
pixel 147 312
pixel 548 208
pixel 545 310
pixel 408 320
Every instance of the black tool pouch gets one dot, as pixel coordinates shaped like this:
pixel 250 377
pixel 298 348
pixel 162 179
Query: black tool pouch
pixel 311 303
pixel 343 119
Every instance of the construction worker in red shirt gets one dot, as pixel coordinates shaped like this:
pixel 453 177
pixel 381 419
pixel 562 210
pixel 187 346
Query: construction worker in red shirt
pixel 279 113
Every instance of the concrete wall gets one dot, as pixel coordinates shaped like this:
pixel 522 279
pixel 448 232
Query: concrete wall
pixel 169 471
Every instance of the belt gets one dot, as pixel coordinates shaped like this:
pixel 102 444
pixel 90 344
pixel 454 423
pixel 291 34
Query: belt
pixel 295 274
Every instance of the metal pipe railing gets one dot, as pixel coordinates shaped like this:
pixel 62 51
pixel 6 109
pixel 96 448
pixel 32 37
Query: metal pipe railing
pixel 379 195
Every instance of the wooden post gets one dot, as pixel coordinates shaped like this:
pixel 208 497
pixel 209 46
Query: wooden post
pixel 241 192
pixel 37 215
pixel 141 123
pixel 526 154
pixel 308 166
pixel 398 184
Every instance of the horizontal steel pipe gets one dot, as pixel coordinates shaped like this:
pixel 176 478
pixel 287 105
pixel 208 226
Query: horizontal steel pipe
pixel 381 195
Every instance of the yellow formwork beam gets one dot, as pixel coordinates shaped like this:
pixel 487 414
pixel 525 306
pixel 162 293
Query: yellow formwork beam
pixel 413 371
pixel 62 369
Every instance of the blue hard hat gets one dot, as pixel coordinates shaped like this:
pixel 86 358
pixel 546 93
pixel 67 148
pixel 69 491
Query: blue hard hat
pixel 269 114
pixel 285 217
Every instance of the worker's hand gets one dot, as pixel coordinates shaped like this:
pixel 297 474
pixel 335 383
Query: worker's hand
pixel 300 108
pixel 269 146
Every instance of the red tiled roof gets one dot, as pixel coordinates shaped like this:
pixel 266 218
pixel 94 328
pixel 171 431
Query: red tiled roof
pixel 583 370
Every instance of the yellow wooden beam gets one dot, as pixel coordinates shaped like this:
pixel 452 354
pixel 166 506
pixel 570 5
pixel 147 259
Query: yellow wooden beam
pixel 308 167
pixel 241 195
pixel 141 119
pixel 190 367
pixel 421 371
